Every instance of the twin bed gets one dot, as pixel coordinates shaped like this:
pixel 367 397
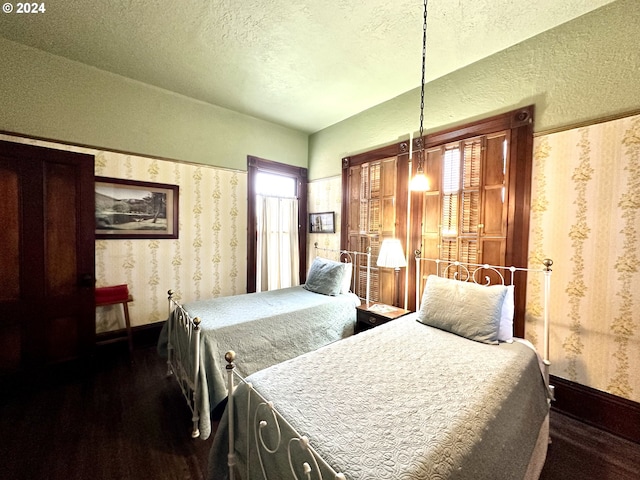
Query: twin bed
pixel 265 328
pixel 435 394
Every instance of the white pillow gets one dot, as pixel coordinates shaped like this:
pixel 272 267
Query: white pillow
pixel 346 278
pixel 505 333
pixel 464 308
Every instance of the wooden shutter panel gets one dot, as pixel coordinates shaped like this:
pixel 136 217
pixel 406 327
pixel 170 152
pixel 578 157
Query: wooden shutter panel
pixel 355 201
pixel 388 197
pixel 472 161
pixel 449 214
pixel 363 207
pixel 374 180
pixel 471 170
pixel 432 216
pixel 449 249
pixel 470 212
pixel 468 251
pixel 495 216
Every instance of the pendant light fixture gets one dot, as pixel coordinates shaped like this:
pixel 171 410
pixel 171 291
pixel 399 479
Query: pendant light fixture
pixel 420 182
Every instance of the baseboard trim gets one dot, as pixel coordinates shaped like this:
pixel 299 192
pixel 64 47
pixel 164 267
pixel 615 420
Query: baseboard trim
pixel 608 412
pixel 143 335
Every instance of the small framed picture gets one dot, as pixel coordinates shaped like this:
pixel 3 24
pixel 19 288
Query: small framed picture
pixel 322 222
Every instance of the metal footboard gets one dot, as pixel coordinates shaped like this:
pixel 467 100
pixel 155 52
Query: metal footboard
pixel 266 418
pixel 183 356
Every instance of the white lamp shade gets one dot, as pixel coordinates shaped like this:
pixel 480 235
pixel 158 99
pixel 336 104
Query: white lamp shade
pixel 391 254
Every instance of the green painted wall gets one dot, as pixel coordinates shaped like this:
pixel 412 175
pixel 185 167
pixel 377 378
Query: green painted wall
pixel 584 70
pixel 44 95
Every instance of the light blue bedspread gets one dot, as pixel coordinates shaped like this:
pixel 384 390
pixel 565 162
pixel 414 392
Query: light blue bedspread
pixel 264 329
pixel 400 401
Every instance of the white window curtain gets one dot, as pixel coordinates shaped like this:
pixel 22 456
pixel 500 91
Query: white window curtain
pixel 277 263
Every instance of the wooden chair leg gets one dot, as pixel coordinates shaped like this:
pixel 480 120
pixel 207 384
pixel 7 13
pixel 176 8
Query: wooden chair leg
pixel 128 327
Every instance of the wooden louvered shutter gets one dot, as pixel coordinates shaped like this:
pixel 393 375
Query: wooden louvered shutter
pixel 471 164
pixel 373 223
pixel 468 251
pixel 355 202
pixel 363 197
pixel 469 198
pixel 372 217
pixel 450 194
pixel 388 197
pixel 470 215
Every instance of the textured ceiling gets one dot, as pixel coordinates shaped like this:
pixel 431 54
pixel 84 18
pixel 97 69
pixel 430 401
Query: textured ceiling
pixel 302 64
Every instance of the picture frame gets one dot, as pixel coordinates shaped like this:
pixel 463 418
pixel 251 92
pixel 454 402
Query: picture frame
pixel 323 222
pixel 128 209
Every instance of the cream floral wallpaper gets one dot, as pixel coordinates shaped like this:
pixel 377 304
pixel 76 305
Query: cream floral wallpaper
pixel 324 196
pixel 209 257
pixel 586 217
pixel 207 260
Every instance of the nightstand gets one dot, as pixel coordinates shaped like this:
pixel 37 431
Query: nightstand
pixel 372 314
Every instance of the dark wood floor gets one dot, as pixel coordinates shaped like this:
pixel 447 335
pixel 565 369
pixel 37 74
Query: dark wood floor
pixel 110 419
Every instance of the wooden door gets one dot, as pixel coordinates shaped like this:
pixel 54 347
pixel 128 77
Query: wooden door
pixel 47 306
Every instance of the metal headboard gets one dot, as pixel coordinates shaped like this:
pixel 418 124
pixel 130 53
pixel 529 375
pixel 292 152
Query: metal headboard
pixel 485 274
pixel 349 256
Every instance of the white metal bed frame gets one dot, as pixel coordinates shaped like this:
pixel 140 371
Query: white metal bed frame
pixel 443 267
pixel 187 375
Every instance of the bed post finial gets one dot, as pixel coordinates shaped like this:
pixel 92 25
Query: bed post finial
pixel 230 357
pixel 170 293
pixel 547 262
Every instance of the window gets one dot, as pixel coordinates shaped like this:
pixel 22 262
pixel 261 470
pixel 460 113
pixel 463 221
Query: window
pixel 275 181
pixel 469 192
pixel 274 185
pixel 476 211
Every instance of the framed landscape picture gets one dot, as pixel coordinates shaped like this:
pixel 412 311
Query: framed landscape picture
pixel 132 209
pixel 322 222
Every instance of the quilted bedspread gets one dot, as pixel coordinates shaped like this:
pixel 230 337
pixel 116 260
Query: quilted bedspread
pixel 401 401
pixel 264 329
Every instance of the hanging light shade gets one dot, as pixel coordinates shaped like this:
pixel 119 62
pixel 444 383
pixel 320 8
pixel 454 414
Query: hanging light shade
pixel 420 182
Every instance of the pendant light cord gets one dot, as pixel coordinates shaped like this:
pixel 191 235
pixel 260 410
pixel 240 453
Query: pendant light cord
pixel 424 56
